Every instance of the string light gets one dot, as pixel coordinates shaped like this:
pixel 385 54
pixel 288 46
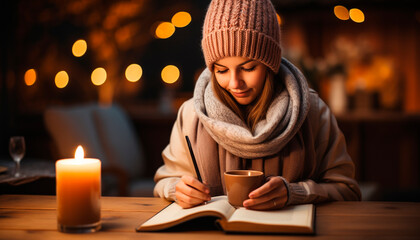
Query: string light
pixel 98 76
pixel 357 15
pixel 170 74
pixel 164 30
pixel 181 19
pixel 278 18
pixel 133 72
pixel 61 79
pixel 30 77
pixel 341 12
pixel 79 48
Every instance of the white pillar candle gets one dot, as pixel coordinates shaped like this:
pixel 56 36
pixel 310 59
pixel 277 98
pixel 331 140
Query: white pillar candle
pixel 78 186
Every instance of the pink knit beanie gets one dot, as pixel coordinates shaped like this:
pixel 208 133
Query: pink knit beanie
pixel 244 28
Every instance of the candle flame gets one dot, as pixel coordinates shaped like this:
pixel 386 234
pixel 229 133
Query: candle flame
pixel 79 155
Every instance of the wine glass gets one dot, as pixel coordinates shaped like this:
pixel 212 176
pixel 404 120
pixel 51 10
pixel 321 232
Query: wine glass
pixel 17 151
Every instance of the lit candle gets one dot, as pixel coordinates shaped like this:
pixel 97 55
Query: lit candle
pixel 78 183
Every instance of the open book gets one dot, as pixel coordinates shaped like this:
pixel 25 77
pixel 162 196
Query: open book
pixel 292 219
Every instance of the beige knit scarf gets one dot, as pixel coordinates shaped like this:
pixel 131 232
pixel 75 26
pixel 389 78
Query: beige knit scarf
pixel 284 116
pixel 281 146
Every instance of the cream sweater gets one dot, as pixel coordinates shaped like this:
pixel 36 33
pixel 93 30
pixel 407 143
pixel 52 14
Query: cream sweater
pixel 330 178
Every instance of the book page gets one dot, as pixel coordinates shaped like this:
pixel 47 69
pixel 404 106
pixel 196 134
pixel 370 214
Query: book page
pixel 299 215
pixel 175 212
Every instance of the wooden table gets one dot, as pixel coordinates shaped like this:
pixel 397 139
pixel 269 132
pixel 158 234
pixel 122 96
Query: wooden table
pixel 34 217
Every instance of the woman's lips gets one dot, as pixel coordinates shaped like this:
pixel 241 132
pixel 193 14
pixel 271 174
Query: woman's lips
pixel 241 94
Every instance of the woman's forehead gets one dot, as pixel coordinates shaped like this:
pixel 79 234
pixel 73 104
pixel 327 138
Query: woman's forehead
pixel 233 61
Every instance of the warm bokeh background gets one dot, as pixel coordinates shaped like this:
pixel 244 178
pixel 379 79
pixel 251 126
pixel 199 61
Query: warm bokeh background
pixel 362 57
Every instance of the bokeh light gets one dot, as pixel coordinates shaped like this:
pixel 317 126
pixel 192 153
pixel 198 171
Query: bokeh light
pixel 98 76
pixel 79 48
pixel 61 79
pixel 357 15
pixel 170 74
pixel 133 72
pixel 341 12
pixel 278 18
pixel 181 19
pixel 164 30
pixel 30 77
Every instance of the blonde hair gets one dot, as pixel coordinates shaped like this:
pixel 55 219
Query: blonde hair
pixel 254 112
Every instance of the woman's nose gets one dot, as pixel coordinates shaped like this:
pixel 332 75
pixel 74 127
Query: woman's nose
pixel 235 81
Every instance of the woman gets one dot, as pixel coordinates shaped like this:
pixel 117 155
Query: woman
pixel 252 109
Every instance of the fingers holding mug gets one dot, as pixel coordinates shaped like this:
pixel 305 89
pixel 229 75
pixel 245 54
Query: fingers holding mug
pixel 272 195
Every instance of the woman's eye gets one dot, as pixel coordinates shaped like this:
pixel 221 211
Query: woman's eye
pixel 248 69
pixel 221 71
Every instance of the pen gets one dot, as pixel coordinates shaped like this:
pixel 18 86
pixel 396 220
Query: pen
pixel 193 159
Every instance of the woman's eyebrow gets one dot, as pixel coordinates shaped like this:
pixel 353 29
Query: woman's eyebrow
pixel 250 60
pixel 220 65
pixel 247 61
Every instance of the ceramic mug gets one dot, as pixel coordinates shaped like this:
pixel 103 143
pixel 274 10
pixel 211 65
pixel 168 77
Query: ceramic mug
pixel 239 183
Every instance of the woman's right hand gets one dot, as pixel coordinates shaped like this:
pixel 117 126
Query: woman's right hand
pixel 190 192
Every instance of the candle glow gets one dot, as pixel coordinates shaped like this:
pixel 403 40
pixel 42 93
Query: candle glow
pixel 78 190
pixel 79 154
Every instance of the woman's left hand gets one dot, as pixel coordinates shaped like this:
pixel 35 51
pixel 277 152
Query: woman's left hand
pixel 271 195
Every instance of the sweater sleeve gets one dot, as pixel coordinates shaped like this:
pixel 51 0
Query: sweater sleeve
pixel 175 156
pixel 336 171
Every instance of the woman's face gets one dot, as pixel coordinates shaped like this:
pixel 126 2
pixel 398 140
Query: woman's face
pixel 243 78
